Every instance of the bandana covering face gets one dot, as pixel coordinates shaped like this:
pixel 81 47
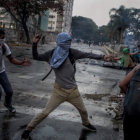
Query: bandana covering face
pixel 61 51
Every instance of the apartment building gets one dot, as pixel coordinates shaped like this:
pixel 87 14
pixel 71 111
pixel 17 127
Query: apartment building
pixel 54 22
pixel 50 23
pixel 6 21
pixel 67 19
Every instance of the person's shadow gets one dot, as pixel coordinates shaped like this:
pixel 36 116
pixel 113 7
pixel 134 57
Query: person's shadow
pixel 84 133
pixel 5 131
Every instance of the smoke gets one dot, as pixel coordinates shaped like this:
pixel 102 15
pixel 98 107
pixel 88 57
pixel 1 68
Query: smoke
pixel 129 40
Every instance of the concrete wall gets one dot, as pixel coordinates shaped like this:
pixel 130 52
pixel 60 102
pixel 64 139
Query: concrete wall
pixel 68 16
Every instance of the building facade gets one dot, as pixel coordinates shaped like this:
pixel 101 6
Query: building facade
pixel 6 21
pixel 50 23
pixel 53 23
pixel 67 18
pixel 56 22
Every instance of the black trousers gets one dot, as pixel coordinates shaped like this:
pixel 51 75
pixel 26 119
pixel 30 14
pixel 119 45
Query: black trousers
pixel 131 127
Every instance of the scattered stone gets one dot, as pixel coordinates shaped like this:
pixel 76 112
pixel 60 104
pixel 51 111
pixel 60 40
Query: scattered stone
pixel 90 117
pixel 97 97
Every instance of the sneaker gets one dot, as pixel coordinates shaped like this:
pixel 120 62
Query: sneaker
pixel 91 127
pixel 10 108
pixel 25 135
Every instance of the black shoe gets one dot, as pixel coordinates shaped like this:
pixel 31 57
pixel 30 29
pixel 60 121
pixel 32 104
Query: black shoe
pixel 10 108
pixel 91 127
pixel 25 135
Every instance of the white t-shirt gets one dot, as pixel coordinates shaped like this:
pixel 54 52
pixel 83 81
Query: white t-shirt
pixel 6 53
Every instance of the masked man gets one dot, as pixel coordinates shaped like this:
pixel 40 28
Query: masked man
pixel 62 60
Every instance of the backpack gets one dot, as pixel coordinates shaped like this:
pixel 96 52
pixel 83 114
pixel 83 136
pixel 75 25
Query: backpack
pixel 132 98
pixel 3 49
pixel 72 60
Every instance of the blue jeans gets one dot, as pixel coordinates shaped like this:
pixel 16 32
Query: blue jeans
pixel 4 82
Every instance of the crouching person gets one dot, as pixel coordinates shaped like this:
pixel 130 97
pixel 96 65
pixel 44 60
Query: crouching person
pixel 131 121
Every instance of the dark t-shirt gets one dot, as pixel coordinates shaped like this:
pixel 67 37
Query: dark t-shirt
pixel 65 74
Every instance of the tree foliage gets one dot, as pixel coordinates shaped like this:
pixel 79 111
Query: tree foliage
pixel 122 19
pixel 21 10
pixel 104 34
pixel 84 28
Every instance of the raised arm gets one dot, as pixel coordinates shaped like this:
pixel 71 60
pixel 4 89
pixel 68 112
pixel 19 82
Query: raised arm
pixel 124 84
pixel 117 58
pixel 135 53
pixel 36 56
pixel 15 61
pixel 80 55
pixel 7 53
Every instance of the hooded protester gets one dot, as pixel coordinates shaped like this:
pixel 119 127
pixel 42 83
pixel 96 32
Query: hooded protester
pixel 65 87
pixel 4 82
pixel 126 60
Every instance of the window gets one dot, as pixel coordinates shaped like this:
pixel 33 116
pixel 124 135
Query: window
pixel 51 16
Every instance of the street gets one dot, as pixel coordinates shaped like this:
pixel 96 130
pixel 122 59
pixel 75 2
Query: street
pixel 31 95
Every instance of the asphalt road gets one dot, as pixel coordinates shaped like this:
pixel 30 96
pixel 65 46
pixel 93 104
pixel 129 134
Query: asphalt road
pixel 31 94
